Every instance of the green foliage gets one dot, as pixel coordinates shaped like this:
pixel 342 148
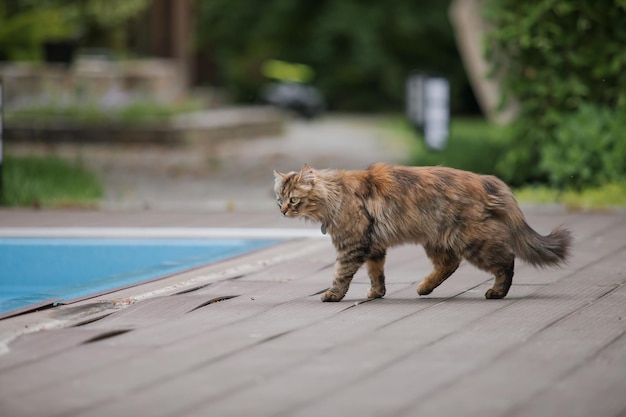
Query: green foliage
pixel 26 24
pixel 476 145
pixel 22 32
pixel 361 52
pixel 556 56
pixel 48 182
pixel 588 149
pixel 108 13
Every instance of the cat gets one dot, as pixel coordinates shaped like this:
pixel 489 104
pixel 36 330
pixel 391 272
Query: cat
pixel 453 214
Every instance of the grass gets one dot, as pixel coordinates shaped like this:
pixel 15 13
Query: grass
pixel 473 145
pixel 476 145
pixel 608 196
pixel 48 182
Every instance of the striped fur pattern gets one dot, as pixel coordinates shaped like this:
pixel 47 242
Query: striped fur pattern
pixel 453 214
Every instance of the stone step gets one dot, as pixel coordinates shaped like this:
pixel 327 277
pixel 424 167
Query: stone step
pixel 192 128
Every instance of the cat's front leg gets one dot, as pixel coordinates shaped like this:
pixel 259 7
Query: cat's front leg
pixel 376 271
pixel 345 267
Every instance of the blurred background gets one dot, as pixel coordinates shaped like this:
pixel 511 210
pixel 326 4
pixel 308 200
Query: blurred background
pixel 190 104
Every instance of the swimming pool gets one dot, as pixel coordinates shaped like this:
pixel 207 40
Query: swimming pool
pixel 36 271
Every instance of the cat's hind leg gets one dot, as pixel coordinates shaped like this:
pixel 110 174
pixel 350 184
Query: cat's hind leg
pixel 376 271
pixel 504 279
pixel 497 258
pixel 445 263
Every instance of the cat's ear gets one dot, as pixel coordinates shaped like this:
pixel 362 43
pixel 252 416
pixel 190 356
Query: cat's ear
pixel 278 175
pixel 278 180
pixel 306 176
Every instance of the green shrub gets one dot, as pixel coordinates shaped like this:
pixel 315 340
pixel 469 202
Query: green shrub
pixel 588 149
pixel 557 56
pixel 23 31
pixel 26 24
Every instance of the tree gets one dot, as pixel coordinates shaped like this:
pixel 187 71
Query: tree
pixel 557 57
pixel 25 25
pixel 361 51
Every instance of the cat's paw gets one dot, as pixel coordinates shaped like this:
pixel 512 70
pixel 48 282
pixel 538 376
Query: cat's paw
pixel 375 293
pixel 424 289
pixel 492 294
pixel 331 296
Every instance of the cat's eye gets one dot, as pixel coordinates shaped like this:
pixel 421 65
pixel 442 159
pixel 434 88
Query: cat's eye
pixel 294 200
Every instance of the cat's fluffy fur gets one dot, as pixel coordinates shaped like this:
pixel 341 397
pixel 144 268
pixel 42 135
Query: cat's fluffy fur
pixel 453 214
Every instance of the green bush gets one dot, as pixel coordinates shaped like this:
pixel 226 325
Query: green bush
pixel 556 56
pixel 26 24
pixel 588 149
pixel 23 31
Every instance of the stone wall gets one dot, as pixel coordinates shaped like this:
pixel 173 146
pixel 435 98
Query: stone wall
pixel 111 82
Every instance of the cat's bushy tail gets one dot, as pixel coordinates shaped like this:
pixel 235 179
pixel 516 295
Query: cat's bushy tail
pixel 537 250
pixel 542 251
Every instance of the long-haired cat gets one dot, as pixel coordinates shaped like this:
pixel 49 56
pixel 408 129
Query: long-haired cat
pixel 453 214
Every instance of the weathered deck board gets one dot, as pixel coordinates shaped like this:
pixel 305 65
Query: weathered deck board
pixel 554 346
pixel 513 378
pixel 333 373
pixel 594 388
pixel 275 355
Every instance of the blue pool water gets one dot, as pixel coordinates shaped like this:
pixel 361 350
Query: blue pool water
pixel 33 270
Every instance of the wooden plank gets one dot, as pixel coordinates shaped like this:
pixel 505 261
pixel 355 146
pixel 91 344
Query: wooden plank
pixel 255 298
pixel 265 301
pixel 157 365
pixel 228 313
pixel 38 345
pixel 495 334
pixel 595 388
pixel 266 358
pixel 274 317
pixel 430 370
pixel 74 362
pixel 67 367
pixel 287 352
pixel 514 378
pixel 281 353
pixel 292 269
pixel 333 370
pixel 156 310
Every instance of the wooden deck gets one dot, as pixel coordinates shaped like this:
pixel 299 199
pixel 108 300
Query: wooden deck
pixel 249 336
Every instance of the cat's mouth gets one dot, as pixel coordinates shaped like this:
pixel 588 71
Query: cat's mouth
pixel 289 213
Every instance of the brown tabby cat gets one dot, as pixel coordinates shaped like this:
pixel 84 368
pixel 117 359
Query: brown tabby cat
pixel 453 214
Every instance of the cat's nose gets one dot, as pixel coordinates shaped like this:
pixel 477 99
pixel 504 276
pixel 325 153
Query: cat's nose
pixel 283 210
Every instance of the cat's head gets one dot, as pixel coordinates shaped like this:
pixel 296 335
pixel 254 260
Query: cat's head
pixel 294 193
